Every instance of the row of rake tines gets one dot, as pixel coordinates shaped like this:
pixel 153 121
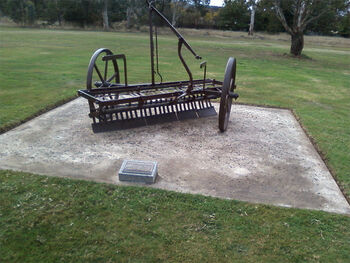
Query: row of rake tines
pixel 153 107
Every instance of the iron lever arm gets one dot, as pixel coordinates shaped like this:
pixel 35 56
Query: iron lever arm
pixel 177 33
pixel 190 86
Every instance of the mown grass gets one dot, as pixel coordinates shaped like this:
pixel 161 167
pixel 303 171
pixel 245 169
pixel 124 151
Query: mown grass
pixel 46 219
pixel 71 220
pixel 40 67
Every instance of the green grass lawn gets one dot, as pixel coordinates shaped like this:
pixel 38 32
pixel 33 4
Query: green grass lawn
pixel 62 220
pixel 50 219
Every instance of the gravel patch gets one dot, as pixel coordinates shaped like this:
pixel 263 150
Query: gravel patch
pixel 263 157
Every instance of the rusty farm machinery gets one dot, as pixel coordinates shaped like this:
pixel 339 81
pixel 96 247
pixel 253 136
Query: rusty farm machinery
pixel 115 105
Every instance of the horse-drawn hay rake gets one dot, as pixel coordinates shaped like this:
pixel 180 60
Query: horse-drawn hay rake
pixel 116 105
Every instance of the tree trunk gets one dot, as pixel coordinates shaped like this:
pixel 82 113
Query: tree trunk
pixel 252 18
pixel 129 14
pixel 105 15
pixel 297 43
pixel 173 20
pixel 59 19
pixel 22 14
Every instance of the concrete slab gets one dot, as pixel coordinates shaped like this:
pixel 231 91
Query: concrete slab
pixel 264 157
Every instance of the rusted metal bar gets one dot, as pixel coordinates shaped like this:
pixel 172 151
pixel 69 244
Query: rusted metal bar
pixel 190 86
pixel 148 86
pixel 212 94
pixel 157 57
pixel 151 43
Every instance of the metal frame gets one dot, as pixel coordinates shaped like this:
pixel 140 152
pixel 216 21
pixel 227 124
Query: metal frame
pixel 126 105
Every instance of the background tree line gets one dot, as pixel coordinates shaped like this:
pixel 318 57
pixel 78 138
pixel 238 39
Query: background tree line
pixel 330 16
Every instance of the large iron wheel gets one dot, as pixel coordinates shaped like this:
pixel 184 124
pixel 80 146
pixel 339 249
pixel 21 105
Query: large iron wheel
pixel 226 97
pixel 98 78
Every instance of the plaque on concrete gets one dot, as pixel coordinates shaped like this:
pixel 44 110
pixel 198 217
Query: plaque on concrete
pixel 138 171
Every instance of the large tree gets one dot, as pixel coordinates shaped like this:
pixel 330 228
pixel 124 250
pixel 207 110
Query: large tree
pixel 302 13
pixel 252 4
pixel 105 14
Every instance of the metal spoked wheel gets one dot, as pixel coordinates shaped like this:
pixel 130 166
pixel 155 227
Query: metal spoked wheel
pixel 98 78
pixel 226 98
